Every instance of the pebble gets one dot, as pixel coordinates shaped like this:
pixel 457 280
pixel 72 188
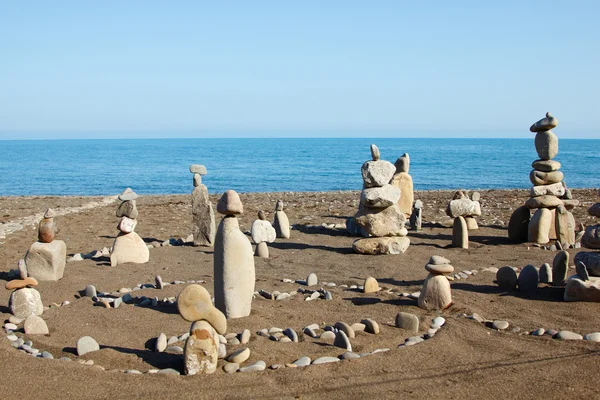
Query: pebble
pixel 185 336
pixel 551 332
pixel 315 295
pixel 370 326
pixel 161 343
pixel 592 337
pixel 231 368
pixel 47 355
pixel 174 349
pixel 283 296
pixel 341 340
pixel 35 325
pixel 289 332
pixel 302 361
pixel 169 371
pixel 172 340
pixel 245 336
pixel 413 340
pixel 308 331
pixel 500 325
pixel 133 372
pixel 358 327
pixel 239 356
pixel 327 335
pixel 415 295
pixel 438 322
pixel 10 326
pixel 538 332
pixel 314 327
pixel 257 366
pixel 86 344
pixel 90 291
pixel 117 302
pixel 276 366
pixel 285 339
pixel 325 360
pixel 312 279
pixel 349 356
pixel 371 285
pixel 381 350
pixel 407 321
pixel 477 318
pixel 568 335
pixel 328 295
pixel 15 320
pixel 12 337
pixel 347 329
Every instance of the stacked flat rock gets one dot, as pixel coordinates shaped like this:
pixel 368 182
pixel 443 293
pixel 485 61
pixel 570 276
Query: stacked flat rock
pixel 203 216
pixel 436 293
pixel 234 272
pixel 128 247
pixel 45 260
pixel 403 181
pixel 201 350
pixel 591 236
pixel 24 300
pixel 262 232
pixel 379 218
pixel 281 223
pixel 468 207
pixel 549 196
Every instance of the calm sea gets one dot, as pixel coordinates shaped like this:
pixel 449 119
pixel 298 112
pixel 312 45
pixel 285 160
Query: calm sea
pixel 160 166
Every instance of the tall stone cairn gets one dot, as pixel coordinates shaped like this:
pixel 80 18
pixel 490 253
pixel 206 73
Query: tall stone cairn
pixel 128 247
pixel 379 219
pixel 550 201
pixel 403 181
pixel 203 216
pixel 45 260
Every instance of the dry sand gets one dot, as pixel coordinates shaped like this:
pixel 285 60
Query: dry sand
pixel 465 359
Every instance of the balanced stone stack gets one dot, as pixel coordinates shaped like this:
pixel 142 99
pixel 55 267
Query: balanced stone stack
pixel 281 223
pixel 201 350
pixel 464 210
pixel 591 237
pixel 262 232
pixel 416 218
pixel 436 293
pixel 24 301
pixel 203 216
pixel 234 272
pixel 379 219
pixel 548 196
pixel 45 260
pixel 128 247
pixel 403 181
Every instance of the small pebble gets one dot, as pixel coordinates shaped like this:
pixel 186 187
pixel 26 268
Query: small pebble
pixel 325 360
pixel 231 367
pixel 302 361
pixel 568 335
pixel 500 325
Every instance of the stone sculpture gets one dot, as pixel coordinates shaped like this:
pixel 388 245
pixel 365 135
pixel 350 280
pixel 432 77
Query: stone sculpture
pixel 436 293
pixel 203 216
pixel 281 223
pixel 45 260
pixel 262 232
pixel 128 247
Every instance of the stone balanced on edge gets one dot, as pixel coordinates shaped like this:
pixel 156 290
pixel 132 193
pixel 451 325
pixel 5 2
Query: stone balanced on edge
pixel 203 215
pixel 45 260
pixel 128 247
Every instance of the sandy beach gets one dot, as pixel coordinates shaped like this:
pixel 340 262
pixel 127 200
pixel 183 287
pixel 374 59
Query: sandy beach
pixel 464 359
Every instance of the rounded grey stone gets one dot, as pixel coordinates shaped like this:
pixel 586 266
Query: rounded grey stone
pixel 500 325
pixel 86 344
pixel 506 278
pixel 528 279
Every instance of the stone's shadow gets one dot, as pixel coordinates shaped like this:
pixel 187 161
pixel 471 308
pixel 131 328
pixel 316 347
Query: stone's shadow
pixel 483 240
pixel 4 276
pixel 4 310
pixel 322 230
pixel 490 240
pixel 395 282
pixel 108 237
pixel 302 246
pixel 363 301
pixel 151 239
pixel 401 301
pixel 547 293
pixel 157 360
pixel 335 216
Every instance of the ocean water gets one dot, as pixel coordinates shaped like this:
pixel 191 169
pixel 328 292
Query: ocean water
pixel 161 166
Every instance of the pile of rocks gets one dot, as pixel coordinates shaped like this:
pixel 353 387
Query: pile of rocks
pixel 201 350
pixel 128 245
pixel 548 196
pixel 262 232
pixel 203 216
pixel 436 293
pixel 403 181
pixel 281 223
pixel 464 210
pixel 233 261
pixel 379 219
pixel 45 260
pixel 591 237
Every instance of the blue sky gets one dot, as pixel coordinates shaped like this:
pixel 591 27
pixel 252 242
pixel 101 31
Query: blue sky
pixel 87 69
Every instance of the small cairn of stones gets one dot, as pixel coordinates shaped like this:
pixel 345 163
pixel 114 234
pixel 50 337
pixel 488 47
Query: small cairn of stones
pixel 262 232
pixel 403 181
pixel 548 196
pixel 281 223
pixel 416 218
pixel 203 216
pixel 379 219
pixel 24 300
pixel 201 350
pixel 591 237
pixel 128 245
pixel 234 272
pixel 45 260
pixel 464 210
pixel 436 293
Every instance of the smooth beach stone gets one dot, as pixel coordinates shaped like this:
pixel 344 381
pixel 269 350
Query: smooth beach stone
pixel 239 356
pixel 539 178
pixel 46 261
pixel 570 204
pixel 528 279
pixel 555 189
pixel 22 269
pixel 439 269
pixel 290 333
pixel 194 304
pixel 545 273
pixel 380 197
pixel 571 225
pixel 436 293
pixel 349 356
pixel 327 335
pixel 591 237
pixel 262 231
pixel 201 351
pixel 198 169
pixel 577 289
pixel 438 322
pixel 546 145
pixel 128 194
pixel 545 201
pixel 35 325
pixel 377 173
pixel 197 180
pixel 371 326
pixel 518 225
pixel 539 226
pixel 281 223
pixel 231 368
pixel 560 267
pixel 325 360
pixel 471 224
pixel 500 325
pixel 302 362
pixel 404 182
pixel 545 124
pixel 21 283
pixel 262 250
pixel 407 321
pixel 47 230
pixel 370 285
pixel 375 155
pixel 311 279
pixel 86 344
pixel 594 210
pixel 438 260
pixel 375 222
pixel 591 261
pixel 463 207
pixel 256 367
pixel 402 164
pixel 568 335
pixel 90 291
pixel 506 278
pixel 538 332
pixel 230 204
pixel 347 329
pixel 460 233
pixel 581 270
pixel 24 302
pixel 416 218
pixel 279 205
pixel 127 225
pixel 161 343
pixel 383 245
pixel 341 340
pixel 204 228
pixel 127 209
pixel 561 224
pixel 50 213
pixel 234 274
pixel 129 248
pixel 546 165
pixel 592 337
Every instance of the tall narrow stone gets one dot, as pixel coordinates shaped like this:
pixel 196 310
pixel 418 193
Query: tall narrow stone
pixel 460 233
